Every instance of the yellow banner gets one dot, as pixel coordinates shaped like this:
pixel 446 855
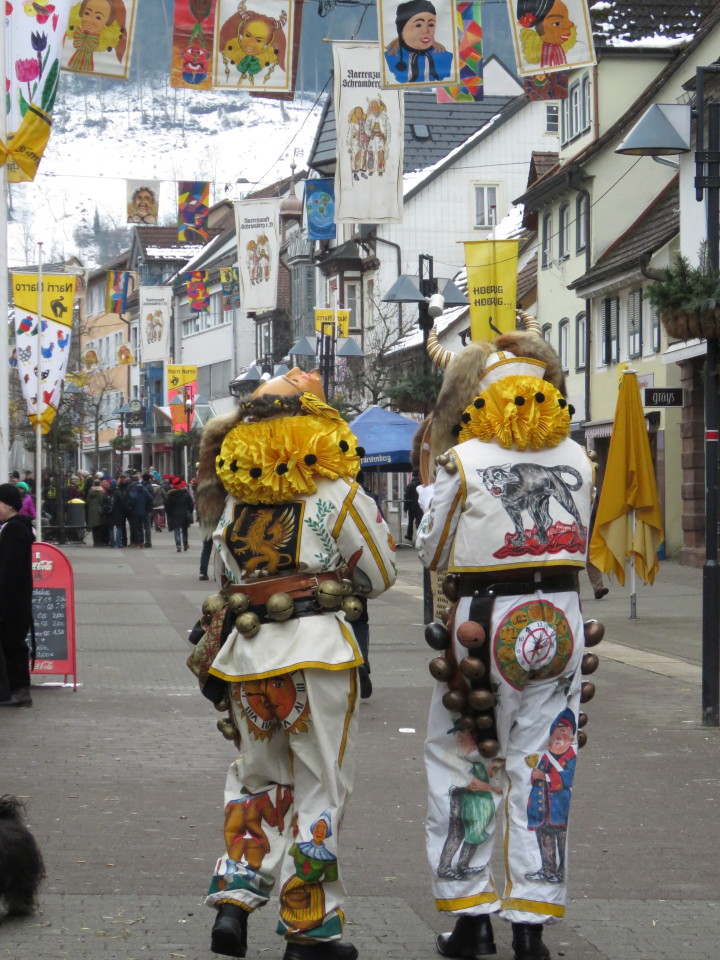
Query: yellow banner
pixel 339 317
pixel 58 294
pixel 492 286
pixel 179 376
pixel 26 147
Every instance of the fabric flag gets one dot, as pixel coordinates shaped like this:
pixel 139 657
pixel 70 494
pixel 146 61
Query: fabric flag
pixel 629 487
pixel 42 342
pixel 549 36
pixel 181 382
pixel 293 56
pixel 33 40
pixel 470 53
pixel 230 283
pixel 253 47
pixel 258 241
pixel 193 209
pixel 197 291
pixel 142 201
pixel 320 209
pixel 419 44
pixel 492 286
pixel 155 310
pixel 193 37
pixel 99 38
pixel 547 86
pixel 120 284
pixel 125 355
pixel 370 132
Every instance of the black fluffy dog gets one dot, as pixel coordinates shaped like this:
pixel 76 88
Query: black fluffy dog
pixel 21 863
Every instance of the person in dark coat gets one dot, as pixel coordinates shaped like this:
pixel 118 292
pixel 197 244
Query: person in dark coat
pixel 16 539
pixel 95 519
pixel 114 514
pixel 179 509
pixel 139 506
pixel 412 507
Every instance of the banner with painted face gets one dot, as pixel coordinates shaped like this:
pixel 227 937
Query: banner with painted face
pixel 320 209
pixel 370 133
pixel 193 210
pixel 197 292
pixel 547 86
pixel 254 42
pixel 419 43
pixel 142 201
pixel 551 35
pixel 192 47
pixel 43 325
pixel 470 52
pixel 492 286
pixel 258 241
pixel 230 286
pixel 33 36
pixel 98 39
pixel 120 284
pixel 154 317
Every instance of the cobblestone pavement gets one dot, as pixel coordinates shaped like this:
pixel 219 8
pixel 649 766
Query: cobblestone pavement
pixel 123 780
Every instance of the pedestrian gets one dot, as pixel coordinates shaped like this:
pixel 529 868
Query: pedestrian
pixel 594 573
pixel 139 502
pixel 28 507
pixel 294 520
pixel 148 521
pixel 516 641
pixel 16 584
pixel 94 511
pixel 179 508
pixel 30 481
pixel 158 506
pixel 113 511
pixel 412 507
pixel 15 476
pixel 205 555
pixel 123 486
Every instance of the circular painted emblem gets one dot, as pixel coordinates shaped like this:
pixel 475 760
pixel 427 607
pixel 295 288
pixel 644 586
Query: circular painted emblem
pixel 272 703
pixel 533 642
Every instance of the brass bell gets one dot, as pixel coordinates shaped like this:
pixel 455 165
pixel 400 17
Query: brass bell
pixel 441 459
pixel 248 624
pixel 213 604
pixel 352 608
pixel 472 668
pixel 587 691
pixel 488 748
pixel 280 606
pixel 437 635
pixel 470 634
pixel 481 700
pixel 594 632
pixel 450 588
pixel 222 705
pixel 238 603
pixel 582 720
pixel 455 701
pixel 590 663
pixel 441 669
pixel 226 728
pixel 466 722
pixel 348 587
pixel 329 594
pixel 451 466
pixel 484 721
pixel 582 739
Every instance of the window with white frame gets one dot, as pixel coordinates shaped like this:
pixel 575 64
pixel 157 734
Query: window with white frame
pixel 634 323
pixel 546 240
pixel 655 329
pixel 264 339
pixel 213 379
pixel 572 114
pixel 586 105
pixel 486 205
pixel 353 302
pixel 581 222
pixel 564 232
pixel 609 333
pixel 552 118
pixel 547 332
pixel 580 338
pixel 564 343
pixel 95 299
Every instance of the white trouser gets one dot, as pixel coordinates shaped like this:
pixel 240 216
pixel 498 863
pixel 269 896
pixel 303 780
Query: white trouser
pixel 285 797
pixel 527 782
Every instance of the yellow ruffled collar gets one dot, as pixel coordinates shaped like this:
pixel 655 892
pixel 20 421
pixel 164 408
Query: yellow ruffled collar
pixel 275 461
pixel 518 412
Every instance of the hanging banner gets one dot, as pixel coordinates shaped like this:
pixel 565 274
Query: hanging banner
pixel 258 241
pixel 253 45
pixel 99 38
pixel 197 291
pixel 370 131
pixel 193 209
pixel 320 209
pixel 230 283
pixel 547 86
pixel 120 284
pixel 193 35
pixel 33 38
pixel 293 57
pixel 142 201
pixel 332 322
pixel 42 344
pixel 492 286
pixel 470 56
pixel 124 355
pixel 181 382
pixel 550 35
pixel 155 311
pixel 419 42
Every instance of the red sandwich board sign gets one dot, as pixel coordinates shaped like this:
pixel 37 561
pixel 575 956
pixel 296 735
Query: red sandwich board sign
pixel 53 612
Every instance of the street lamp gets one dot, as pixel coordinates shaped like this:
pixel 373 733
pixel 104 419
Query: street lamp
pixel 664 129
pixel 330 348
pixel 189 404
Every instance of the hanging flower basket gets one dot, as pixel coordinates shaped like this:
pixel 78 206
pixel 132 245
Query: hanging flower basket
pixel 121 443
pixel 687 298
pixel 682 324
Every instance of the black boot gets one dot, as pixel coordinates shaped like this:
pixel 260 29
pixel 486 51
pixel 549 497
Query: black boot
pixel 229 932
pixel 330 950
pixel 472 937
pixel 528 943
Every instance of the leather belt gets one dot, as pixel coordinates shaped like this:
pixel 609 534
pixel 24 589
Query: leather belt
pixel 297 586
pixel 304 607
pixel 501 584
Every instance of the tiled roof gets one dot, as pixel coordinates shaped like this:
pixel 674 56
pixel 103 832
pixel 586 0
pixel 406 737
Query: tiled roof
pixel 655 227
pixel 527 278
pixel 448 125
pixel 540 163
pixel 638 19
pixel 166 238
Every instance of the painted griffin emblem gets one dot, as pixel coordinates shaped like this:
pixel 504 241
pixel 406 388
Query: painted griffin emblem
pixel 263 539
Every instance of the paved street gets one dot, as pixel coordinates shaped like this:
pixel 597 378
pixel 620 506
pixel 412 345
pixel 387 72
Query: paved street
pixel 124 781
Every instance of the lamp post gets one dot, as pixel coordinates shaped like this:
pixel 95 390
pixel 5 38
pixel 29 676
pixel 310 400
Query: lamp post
pixel 330 348
pixel 188 420
pixel 664 129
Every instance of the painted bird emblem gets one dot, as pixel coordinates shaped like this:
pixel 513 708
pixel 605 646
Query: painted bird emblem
pixel 26 325
pixel 47 351
pixel 267 533
pixel 25 353
pixel 63 340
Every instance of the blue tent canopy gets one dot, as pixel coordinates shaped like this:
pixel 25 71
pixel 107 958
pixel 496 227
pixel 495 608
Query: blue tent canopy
pixel 387 438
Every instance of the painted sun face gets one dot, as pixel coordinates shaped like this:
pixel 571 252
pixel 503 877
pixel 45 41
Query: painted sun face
pixel 95 16
pixel 557 25
pixel 419 32
pixel 271 698
pixel 255 37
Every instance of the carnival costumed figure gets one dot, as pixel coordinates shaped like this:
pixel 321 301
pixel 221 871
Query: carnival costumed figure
pixel 509 523
pixel 299 544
